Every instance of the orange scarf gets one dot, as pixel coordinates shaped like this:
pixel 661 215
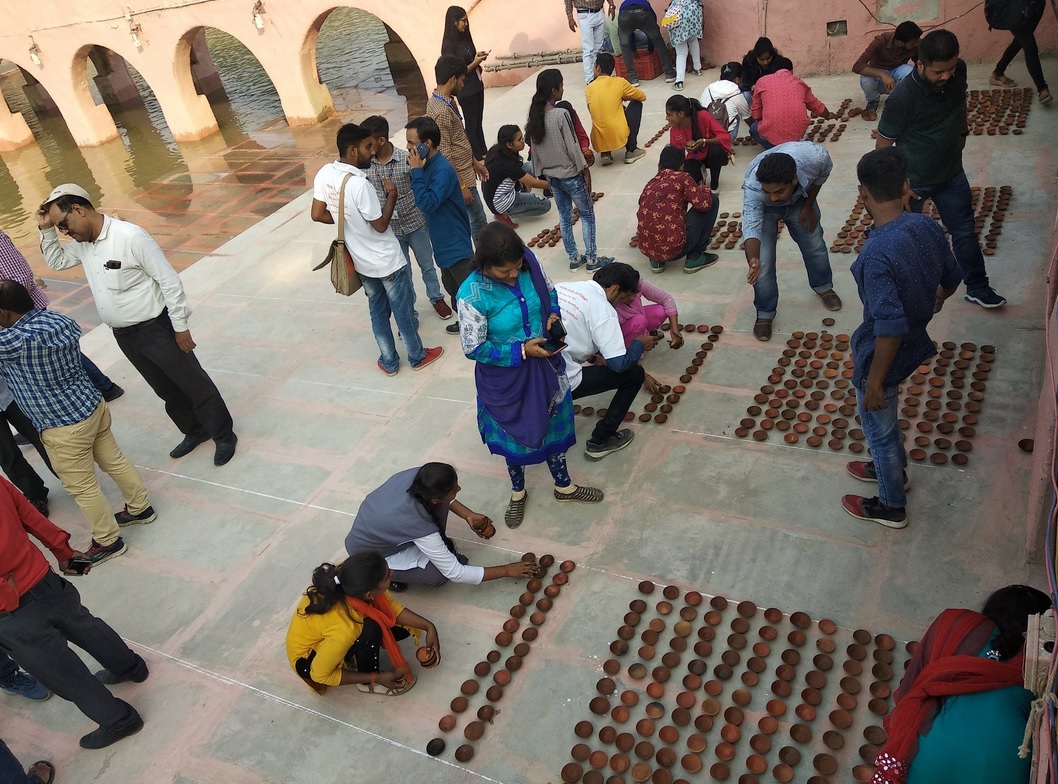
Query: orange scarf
pixel 380 611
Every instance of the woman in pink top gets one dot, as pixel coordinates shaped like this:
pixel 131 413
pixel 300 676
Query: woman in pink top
pixel 705 141
pixel 637 318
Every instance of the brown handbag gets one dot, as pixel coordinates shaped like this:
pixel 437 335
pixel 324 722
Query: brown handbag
pixel 344 277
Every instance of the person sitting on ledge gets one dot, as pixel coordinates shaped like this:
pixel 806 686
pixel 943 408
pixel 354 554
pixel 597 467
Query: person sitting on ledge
pixel 345 617
pixel 405 519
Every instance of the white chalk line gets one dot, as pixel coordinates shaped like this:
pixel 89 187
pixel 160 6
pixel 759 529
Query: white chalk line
pixel 304 708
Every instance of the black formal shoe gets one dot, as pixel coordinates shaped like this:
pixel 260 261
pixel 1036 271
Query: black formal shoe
pixel 139 675
pixel 188 445
pixel 104 736
pixel 113 393
pixel 396 587
pixel 225 450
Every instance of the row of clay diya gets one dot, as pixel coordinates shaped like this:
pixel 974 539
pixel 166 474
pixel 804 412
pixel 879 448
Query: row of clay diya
pixel 551 237
pixel 734 716
pixel 502 676
pixel 658 135
pixel 998 112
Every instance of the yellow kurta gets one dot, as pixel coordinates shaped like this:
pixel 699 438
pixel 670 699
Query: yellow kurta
pixel 609 128
pixel 330 634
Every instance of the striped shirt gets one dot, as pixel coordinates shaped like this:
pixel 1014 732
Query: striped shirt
pixel 583 5
pixel 13 266
pixel 454 142
pixel 41 358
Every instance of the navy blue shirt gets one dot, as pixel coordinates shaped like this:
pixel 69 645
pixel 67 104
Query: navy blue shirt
pixel 439 195
pixel 897 274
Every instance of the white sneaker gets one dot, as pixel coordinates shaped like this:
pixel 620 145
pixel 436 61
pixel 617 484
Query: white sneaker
pixel 677 86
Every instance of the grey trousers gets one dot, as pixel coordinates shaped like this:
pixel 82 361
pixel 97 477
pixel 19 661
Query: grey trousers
pixel 37 635
pixel 428 575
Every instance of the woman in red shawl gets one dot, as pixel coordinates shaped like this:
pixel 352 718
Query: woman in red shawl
pixel 961 709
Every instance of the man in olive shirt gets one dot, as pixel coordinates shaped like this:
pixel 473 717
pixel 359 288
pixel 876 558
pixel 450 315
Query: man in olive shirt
pixel 926 117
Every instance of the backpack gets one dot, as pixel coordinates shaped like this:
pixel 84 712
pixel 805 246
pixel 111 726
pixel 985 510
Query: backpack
pixel 1013 14
pixel 718 108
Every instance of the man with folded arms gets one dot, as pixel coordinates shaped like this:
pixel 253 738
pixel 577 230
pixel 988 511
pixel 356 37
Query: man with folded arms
pixel 141 298
pixel 41 613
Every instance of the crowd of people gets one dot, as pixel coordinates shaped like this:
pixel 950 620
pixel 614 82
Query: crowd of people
pixel 536 345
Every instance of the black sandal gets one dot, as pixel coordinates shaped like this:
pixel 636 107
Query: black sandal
pixel 515 513
pixel 591 495
pixel 35 779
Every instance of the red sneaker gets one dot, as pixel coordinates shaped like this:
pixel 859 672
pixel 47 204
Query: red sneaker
pixel 432 354
pixel 442 310
pixel 383 369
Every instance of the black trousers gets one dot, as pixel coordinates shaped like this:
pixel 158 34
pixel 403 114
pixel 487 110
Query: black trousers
pixel 38 634
pixel 634 116
pixel 13 462
pixel 1024 39
pixel 473 116
pixel 638 18
pixel 365 650
pixel 191 398
pixel 595 379
pixel 699 227
pixel 452 277
pixel 715 159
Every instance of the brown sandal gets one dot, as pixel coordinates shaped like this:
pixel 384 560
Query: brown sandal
pixel 34 776
pixel 385 691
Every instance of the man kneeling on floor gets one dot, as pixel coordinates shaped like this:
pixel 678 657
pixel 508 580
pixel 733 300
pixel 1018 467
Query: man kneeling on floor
pixel 593 335
pixel 676 216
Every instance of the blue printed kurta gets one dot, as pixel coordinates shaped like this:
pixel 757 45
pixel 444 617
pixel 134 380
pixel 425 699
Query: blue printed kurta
pixel 495 319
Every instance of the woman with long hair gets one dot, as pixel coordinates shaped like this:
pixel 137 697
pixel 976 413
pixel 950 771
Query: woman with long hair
pixel 406 519
pixel 757 63
pixel 706 143
pixel 343 621
pixel 961 708
pixel 507 311
pixel 508 190
pixel 457 41
pixel 557 156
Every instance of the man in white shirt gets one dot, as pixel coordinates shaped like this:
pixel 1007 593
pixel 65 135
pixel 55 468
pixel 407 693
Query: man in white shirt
pixel 593 333
pixel 382 266
pixel 141 298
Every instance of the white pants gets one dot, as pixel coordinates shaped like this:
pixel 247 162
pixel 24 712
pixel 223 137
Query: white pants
pixel 592 34
pixel 694 45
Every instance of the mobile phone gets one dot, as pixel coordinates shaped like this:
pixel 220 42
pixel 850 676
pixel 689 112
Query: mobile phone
pixel 113 264
pixel 423 150
pixel 557 330
pixel 79 565
pixel 553 345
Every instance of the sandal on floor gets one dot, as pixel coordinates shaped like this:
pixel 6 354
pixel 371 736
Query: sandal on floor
pixel 1001 81
pixel 1045 97
pixel 385 691
pixel 515 513
pixel 591 495
pixel 34 777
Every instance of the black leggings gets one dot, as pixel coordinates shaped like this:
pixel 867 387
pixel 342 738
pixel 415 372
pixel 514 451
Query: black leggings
pixel 365 650
pixel 715 159
pixel 1024 39
pixel 473 116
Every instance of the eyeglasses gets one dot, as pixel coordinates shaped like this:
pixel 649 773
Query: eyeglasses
pixel 62 225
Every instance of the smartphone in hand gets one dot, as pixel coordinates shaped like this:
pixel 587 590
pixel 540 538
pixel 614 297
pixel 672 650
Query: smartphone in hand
pixel 79 565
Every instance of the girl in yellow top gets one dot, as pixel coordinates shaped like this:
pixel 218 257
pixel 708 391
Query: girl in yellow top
pixel 345 617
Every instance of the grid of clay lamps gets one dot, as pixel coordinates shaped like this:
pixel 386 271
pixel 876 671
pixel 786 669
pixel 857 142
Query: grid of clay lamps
pixel 1001 111
pixel 724 720
pixel 989 204
pixel 725 233
pixel 663 403
pixel 551 237
pixel 817 400
pixel 819 130
pixel 489 669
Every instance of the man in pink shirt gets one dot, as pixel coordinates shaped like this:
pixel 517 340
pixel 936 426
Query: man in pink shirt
pixel 781 103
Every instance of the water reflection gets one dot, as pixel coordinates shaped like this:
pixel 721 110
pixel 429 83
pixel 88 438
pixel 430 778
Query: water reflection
pixel 351 62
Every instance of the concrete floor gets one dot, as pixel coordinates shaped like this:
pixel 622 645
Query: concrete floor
pixel 206 593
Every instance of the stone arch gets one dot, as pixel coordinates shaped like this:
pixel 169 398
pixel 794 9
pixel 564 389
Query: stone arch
pixel 404 61
pixel 14 130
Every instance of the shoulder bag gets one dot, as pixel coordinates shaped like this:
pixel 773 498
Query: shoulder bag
pixel 343 268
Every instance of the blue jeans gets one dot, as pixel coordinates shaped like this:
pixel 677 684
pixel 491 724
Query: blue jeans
pixel 873 89
pixel 394 295
pixel 813 251
pixel 528 204
pixel 476 213
pixel 11 770
pixel 882 429
pixel 738 124
pixel 754 134
pixel 98 378
pixel 570 191
pixel 419 242
pixel 955 205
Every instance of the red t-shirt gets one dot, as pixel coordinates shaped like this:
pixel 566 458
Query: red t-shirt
pixel 708 128
pixel 21 562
